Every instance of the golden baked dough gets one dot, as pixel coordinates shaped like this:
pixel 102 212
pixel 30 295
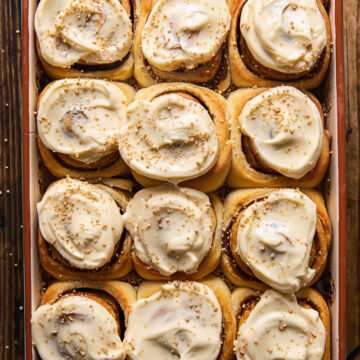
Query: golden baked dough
pixel 120 262
pixel 215 105
pixel 222 293
pixel 206 266
pixel 83 317
pixel 235 268
pixel 243 173
pixel 247 72
pixel 244 300
pixel 213 73
pixel 118 70
pixel 62 164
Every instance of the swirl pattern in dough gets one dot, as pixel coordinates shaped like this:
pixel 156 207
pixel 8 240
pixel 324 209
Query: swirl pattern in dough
pixel 172 228
pixel 81 221
pixel 286 130
pixel 275 237
pixel 76 327
pixel 284 35
pixel 279 328
pixel 181 321
pixel 171 138
pixel 184 34
pixel 89 31
pixel 81 118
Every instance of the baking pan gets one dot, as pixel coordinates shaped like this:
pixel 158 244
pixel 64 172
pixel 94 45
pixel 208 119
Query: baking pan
pixel 332 97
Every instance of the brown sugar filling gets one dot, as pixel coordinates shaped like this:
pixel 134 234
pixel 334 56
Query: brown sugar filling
pixel 249 304
pixel 214 71
pixel 236 262
pixel 75 164
pixel 253 158
pixel 105 300
pixel 81 65
pixel 267 73
pixel 57 256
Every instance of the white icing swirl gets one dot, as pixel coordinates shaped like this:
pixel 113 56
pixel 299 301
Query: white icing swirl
pixel 81 221
pixel 183 33
pixel 284 35
pixel 181 321
pixel 81 118
pixel 286 129
pixel 171 138
pixel 172 228
pixel 275 237
pixel 279 328
pixel 76 327
pixel 93 31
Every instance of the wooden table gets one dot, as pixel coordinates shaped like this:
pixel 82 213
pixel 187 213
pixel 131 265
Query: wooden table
pixel 11 271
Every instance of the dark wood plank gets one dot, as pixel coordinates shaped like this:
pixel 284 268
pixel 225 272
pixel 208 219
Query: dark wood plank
pixel 11 273
pixel 352 107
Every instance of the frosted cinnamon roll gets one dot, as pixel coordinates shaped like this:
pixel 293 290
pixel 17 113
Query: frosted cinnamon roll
pixel 78 121
pixel 180 40
pixel 85 38
pixel 176 232
pixel 278 138
pixel 272 42
pixel 177 132
pixel 275 237
pixel 273 326
pixel 181 320
pixel 82 320
pixel 81 231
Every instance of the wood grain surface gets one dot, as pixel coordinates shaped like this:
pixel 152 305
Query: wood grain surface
pixel 352 112
pixel 11 272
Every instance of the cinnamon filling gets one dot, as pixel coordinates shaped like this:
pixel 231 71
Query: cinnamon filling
pixel 117 251
pixel 212 72
pixel 104 161
pixel 104 299
pixel 238 266
pixel 129 6
pixel 267 73
pixel 188 96
pixel 249 304
pixel 253 158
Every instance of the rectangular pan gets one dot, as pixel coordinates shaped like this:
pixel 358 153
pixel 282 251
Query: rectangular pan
pixel 333 99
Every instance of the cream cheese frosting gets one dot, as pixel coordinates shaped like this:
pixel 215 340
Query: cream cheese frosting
pixel 81 221
pixel 183 33
pixel 275 237
pixel 76 327
pixel 181 321
pixel 81 118
pixel 93 31
pixel 284 35
pixel 286 129
pixel 172 228
pixel 170 138
pixel 279 328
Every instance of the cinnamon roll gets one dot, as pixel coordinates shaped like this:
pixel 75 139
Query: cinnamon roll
pixel 277 237
pixel 181 40
pixel 181 320
pixel 278 138
pixel 177 132
pixel 83 320
pixel 176 232
pixel 78 121
pixel 273 326
pixel 272 42
pixel 85 38
pixel 81 231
